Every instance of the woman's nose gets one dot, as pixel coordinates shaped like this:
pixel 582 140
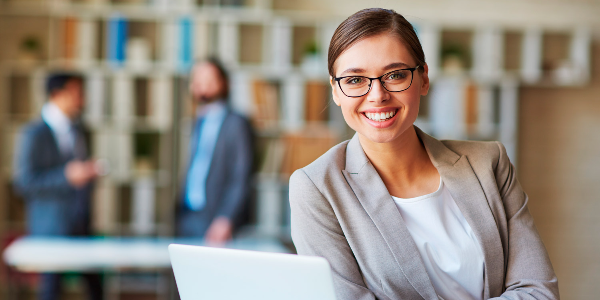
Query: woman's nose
pixel 377 93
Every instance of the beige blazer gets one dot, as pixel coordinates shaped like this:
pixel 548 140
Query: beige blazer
pixel 341 210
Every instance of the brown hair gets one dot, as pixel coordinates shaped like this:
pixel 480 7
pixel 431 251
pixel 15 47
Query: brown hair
pixel 370 22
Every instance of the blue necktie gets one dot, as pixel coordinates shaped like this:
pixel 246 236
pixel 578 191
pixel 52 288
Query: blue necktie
pixel 208 132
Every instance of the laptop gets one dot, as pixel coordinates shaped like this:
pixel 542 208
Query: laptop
pixel 207 273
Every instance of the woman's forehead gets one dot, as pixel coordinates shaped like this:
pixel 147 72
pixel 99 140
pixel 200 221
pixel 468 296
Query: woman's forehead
pixel 375 53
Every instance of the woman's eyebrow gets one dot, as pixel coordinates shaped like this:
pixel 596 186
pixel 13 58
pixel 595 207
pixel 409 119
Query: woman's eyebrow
pixel 352 70
pixel 395 65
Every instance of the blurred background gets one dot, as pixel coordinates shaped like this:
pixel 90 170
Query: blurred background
pixel 524 72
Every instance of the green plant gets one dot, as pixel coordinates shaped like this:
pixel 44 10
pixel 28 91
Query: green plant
pixel 311 48
pixel 30 44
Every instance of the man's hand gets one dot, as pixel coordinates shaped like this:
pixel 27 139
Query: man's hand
pixel 80 173
pixel 219 232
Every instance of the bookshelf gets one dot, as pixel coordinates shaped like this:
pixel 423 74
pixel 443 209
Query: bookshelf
pixel 135 55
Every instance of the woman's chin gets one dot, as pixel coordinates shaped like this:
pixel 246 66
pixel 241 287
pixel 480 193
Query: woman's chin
pixel 387 135
pixel 379 137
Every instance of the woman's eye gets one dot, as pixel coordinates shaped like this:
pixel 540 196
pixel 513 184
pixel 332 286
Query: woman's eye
pixel 396 76
pixel 354 80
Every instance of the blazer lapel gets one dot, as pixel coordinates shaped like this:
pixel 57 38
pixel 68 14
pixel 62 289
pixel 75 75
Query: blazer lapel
pixel 53 149
pixel 465 188
pixel 379 205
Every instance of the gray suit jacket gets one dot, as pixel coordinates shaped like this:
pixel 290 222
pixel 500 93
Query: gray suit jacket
pixel 341 210
pixel 54 207
pixel 228 182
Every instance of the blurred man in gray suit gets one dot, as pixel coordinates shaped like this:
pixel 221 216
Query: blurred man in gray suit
pixel 216 185
pixel 54 174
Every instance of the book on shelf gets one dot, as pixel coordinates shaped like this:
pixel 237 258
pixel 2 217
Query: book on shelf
pixel 317 94
pixel 185 59
pixel 266 105
pixel 178 43
pixel 78 38
pixel 161 101
pixel 471 108
pixel 70 38
pixel 87 38
pixel 273 157
pixel 117 40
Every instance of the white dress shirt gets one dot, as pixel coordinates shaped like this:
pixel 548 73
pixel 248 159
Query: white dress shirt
pixel 449 249
pixel 60 125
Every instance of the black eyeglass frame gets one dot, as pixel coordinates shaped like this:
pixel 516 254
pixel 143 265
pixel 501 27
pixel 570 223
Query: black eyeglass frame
pixel 412 76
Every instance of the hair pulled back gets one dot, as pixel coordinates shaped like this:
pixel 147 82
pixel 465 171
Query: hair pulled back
pixel 370 22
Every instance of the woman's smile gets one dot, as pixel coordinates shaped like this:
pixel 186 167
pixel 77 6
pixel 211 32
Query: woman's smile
pixel 380 118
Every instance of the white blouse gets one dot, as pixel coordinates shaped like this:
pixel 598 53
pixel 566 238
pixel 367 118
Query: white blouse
pixel 449 249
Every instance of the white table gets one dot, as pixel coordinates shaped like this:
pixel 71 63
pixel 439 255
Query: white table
pixel 111 256
pixel 63 254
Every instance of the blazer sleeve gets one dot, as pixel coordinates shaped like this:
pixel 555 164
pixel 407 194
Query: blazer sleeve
pixel 30 179
pixel 238 185
pixel 317 232
pixel 529 273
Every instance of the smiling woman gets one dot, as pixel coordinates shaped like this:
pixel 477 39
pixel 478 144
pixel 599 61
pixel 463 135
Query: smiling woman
pixel 399 214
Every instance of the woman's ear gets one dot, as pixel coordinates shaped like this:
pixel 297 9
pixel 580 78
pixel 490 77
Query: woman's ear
pixel 333 91
pixel 424 80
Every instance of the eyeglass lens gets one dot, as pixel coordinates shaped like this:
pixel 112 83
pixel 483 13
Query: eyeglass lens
pixel 395 81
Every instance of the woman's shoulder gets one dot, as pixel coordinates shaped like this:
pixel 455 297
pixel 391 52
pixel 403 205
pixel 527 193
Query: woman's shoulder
pixel 478 152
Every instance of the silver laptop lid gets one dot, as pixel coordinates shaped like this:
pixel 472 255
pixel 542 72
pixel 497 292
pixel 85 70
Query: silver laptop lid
pixel 226 274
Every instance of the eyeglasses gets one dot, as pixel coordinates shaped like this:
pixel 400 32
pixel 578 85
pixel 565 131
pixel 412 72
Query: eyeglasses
pixel 394 81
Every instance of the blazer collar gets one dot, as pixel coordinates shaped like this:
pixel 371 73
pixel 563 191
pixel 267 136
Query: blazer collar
pixel 465 188
pixel 439 154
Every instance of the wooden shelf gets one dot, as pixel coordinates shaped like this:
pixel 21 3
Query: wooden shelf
pixel 264 42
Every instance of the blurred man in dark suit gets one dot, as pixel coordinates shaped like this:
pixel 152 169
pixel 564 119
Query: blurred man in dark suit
pixel 54 174
pixel 217 183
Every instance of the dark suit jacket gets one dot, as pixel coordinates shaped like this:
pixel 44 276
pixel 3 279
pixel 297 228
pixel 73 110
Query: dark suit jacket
pixel 228 182
pixel 342 210
pixel 53 206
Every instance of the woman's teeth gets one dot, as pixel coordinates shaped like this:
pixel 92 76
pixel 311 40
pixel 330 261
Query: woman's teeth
pixel 380 117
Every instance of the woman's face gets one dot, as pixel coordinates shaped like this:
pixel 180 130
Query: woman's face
pixel 380 116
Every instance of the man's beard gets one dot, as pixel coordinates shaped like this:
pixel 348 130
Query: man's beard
pixel 202 99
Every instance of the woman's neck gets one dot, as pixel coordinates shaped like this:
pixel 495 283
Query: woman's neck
pixel 403 164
